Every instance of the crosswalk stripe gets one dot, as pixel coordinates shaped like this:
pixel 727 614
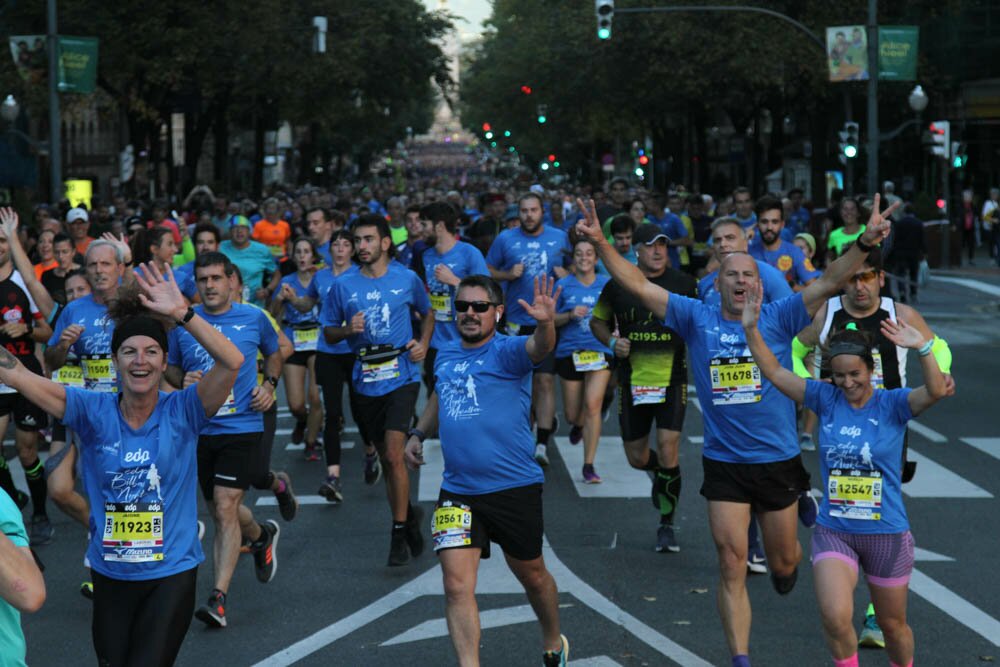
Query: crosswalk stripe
pixel 431 472
pixel 926 432
pixel 989 446
pixel 271 501
pixel 935 481
pixel 620 480
pixel 344 444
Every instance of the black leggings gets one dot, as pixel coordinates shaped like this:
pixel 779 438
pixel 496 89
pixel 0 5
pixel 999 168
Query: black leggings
pixel 332 372
pixel 141 623
pixel 262 478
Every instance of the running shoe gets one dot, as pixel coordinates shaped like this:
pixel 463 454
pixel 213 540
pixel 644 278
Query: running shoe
pixel 87 590
pixel 871 635
pixel 288 504
pixel 808 509
pixel 575 435
pixel 665 539
pixel 373 469
pixel 589 476
pixel 265 556
pixel 213 612
pixel 311 452
pixel 299 431
pixel 558 658
pixel 399 550
pixel 806 443
pixel 330 489
pixel 541 455
pixel 414 536
pixel 756 562
pixel 41 530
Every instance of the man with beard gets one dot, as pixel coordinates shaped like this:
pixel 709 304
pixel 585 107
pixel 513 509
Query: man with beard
pixel 768 246
pixel 518 257
pixel 371 308
pixel 492 488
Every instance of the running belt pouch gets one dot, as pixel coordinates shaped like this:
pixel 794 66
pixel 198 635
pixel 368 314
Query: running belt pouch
pixel 374 354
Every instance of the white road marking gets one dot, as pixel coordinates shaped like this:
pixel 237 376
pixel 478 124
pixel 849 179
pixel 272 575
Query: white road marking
pixel 985 288
pixel 989 446
pixel 697 439
pixel 924 554
pixel 596 661
pixel 935 481
pixel 955 606
pixel 271 501
pixel 620 480
pixel 438 627
pixel 926 432
pixel 431 472
pixel 288 431
pixel 494 578
pixel 344 444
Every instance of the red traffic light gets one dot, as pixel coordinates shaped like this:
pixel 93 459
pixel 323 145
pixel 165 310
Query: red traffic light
pixel 940 204
pixel 486 127
pixel 935 129
pixel 526 90
pixel 643 160
pixel 552 157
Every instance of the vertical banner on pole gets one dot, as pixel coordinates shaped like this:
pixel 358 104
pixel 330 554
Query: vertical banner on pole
pixel 897 52
pixel 177 138
pixel 847 53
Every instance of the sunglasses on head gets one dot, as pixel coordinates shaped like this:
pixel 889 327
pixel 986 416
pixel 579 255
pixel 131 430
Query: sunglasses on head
pixel 477 306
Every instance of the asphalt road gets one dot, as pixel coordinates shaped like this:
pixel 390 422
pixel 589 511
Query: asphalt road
pixel 334 601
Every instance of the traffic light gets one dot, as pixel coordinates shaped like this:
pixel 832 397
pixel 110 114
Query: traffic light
pixel 643 160
pixel 489 135
pixel 486 127
pixel 940 138
pixel 605 10
pixel 526 90
pixel 850 140
pixel 540 111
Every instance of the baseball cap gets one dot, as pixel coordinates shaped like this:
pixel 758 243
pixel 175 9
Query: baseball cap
pixel 648 233
pixel 511 213
pixel 239 221
pixel 809 239
pixel 537 189
pixel 77 214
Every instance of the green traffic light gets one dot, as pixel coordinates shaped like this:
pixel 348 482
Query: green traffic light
pixel 604 33
pixel 850 151
pixel 541 120
pixel 506 133
pixel 956 162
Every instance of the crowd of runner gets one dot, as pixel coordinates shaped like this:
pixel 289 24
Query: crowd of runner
pixel 143 344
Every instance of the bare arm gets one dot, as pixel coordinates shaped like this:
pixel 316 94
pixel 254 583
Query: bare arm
pixel 622 271
pixel 787 382
pixel 543 310
pixel 285 346
pixel 513 273
pixel 9 222
pixel 337 334
pixel 934 387
pixel 175 376
pixel 21 583
pixel 839 271
pixel 427 424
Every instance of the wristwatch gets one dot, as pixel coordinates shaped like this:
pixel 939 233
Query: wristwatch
pixel 421 436
pixel 187 317
pixel 271 380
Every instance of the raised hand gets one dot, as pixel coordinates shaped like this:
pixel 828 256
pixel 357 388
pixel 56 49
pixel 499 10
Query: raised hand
pixel 751 310
pixel 902 334
pixel 119 242
pixel 590 225
pixel 879 224
pixel 160 293
pixel 8 222
pixel 543 308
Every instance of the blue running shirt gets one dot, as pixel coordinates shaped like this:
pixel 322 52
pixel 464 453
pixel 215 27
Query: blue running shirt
pixel 775 286
pixel 249 329
pixel 747 420
pixel 575 335
pixel 860 450
pixel 484 398
pixel 788 259
pixel 93 347
pixel 142 484
pixel 302 328
pixel 539 254
pixel 321 289
pixel 464 260
pixel 387 302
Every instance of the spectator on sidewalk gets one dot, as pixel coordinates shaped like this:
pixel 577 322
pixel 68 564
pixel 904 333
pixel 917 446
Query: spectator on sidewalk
pixel 908 248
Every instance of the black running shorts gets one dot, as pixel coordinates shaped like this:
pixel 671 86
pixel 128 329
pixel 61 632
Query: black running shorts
pixel 512 518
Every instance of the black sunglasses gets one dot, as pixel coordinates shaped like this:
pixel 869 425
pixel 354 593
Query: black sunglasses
pixel 477 306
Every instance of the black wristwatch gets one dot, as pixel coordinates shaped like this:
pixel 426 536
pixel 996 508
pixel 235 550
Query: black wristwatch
pixel 421 436
pixel 271 380
pixel 187 317
pixel 862 246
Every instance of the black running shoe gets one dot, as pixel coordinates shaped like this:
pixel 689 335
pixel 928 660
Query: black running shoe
pixel 399 550
pixel 288 504
pixel 213 612
pixel 330 489
pixel 265 556
pixel 373 469
pixel 298 432
pixel 414 535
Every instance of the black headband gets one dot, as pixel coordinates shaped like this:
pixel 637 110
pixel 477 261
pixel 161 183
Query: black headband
pixel 846 347
pixel 140 325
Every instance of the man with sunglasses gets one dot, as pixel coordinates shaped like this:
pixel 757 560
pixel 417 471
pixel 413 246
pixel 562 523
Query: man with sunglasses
pixel 862 305
pixel 492 486
pixel 371 309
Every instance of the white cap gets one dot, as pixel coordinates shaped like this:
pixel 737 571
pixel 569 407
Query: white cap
pixel 77 214
pixel 537 189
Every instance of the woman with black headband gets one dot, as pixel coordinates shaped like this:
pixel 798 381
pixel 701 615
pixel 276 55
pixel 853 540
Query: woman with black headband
pixel 138 456
pixel 862 520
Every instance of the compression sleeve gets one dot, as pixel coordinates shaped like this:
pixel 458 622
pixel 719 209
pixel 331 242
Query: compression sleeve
pixel 942 353
pixel 799 353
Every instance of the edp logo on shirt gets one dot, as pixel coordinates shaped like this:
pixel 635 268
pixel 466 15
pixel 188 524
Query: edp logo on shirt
pixel 850 431
pixel 139 456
